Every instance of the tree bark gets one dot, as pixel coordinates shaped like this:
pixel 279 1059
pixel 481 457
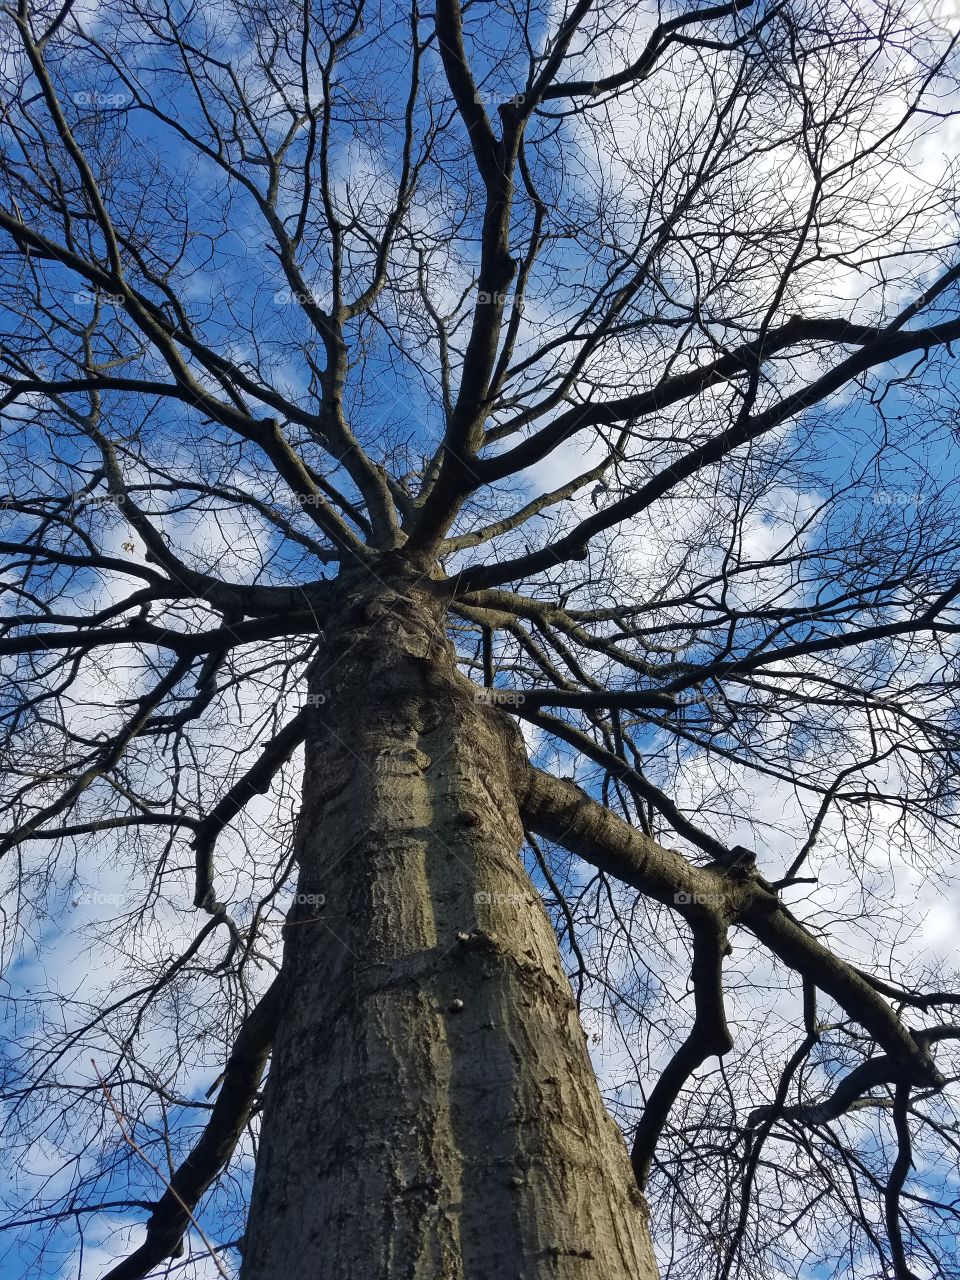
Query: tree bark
pixel 431 1111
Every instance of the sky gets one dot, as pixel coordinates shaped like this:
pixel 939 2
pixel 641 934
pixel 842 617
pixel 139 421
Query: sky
pixel 230 274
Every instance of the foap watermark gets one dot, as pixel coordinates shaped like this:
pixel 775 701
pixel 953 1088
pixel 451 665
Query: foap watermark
pixel 297 297
pixel 92 297
pixel 684 899
pixel 492 899
pixel 316 699
pixel 296 502
pixel 495 298
pixel 500 697
pixel 98 500
pixel 97 98
pixel 315 900
pixel 306 500
pixel 896 498
pixel 98 899
pixel 494 100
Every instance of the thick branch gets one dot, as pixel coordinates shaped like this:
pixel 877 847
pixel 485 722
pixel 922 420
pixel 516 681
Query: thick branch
pixel 559 810
pixel 256 781
pixel 880 348
pixel 145 633
pixel 241 1079
pixel 852 1087
pixel 629 699
pixel 660 39
pixel 708 1036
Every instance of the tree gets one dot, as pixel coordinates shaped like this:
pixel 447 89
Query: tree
pixel 481 585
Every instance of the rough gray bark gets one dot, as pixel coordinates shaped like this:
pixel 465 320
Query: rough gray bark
pixel 431 1110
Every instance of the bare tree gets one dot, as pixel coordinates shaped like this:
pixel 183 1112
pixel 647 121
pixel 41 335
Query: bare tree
pixel 481 638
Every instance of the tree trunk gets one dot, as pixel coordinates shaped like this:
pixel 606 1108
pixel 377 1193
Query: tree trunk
pixel 431 1112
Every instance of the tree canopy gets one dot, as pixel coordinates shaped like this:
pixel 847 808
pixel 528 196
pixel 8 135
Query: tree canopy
pixel 629 332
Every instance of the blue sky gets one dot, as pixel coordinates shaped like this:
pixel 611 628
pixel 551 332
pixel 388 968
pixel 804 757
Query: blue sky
pixel 227 274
